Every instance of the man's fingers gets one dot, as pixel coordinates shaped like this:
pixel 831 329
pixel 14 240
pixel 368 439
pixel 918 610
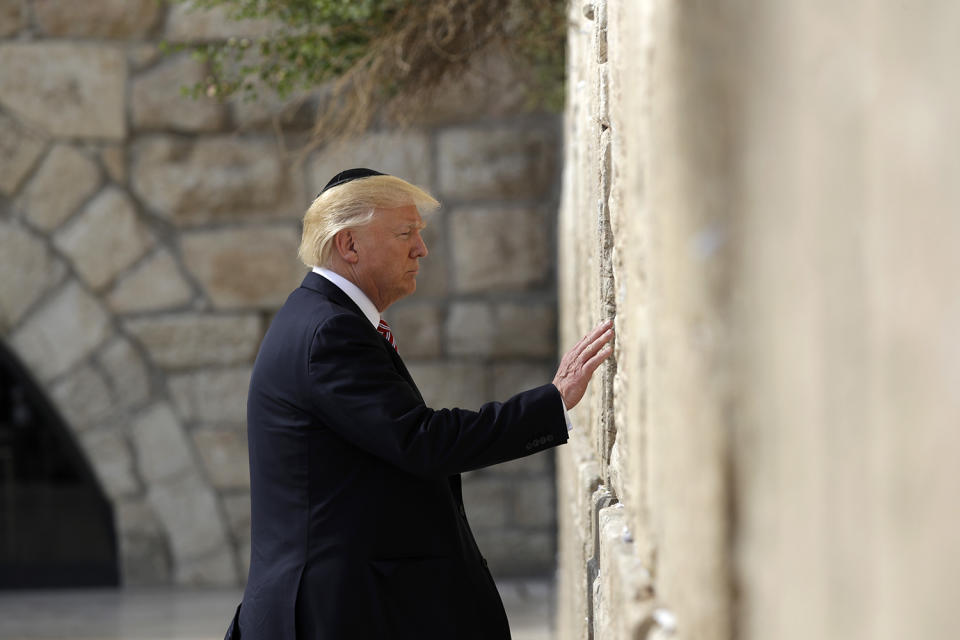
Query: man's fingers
pixel 595 345
pixel 591 365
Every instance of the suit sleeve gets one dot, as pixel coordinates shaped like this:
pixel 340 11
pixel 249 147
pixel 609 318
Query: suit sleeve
pixel 356 391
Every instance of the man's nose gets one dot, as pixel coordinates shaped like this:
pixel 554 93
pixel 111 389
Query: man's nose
pixel 420 250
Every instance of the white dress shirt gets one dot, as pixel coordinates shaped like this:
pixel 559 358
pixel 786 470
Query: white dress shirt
pixel 369 309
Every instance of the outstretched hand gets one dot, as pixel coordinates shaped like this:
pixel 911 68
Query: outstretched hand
pixel 578 364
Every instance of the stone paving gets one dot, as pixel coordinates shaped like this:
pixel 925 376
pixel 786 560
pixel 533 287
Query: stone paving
pixel 190 614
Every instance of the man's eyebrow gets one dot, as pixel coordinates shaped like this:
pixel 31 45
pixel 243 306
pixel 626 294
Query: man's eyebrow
pixel 413 225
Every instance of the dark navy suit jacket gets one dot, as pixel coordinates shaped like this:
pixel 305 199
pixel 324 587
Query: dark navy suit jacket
pixel 358 524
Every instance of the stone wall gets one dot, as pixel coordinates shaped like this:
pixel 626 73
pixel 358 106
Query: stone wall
pixel 146 239
pixel 766 196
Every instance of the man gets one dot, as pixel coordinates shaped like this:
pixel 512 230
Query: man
pixel 358 524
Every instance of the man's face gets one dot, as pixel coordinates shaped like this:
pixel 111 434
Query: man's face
pixel 389 249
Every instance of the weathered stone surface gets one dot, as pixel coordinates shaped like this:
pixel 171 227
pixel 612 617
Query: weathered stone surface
pixel 114 159
pixel 225 457
pixel 66 178
pixel 527 329
pixel 187 508
pixel 157 102
pixel 142 55
pixel 163 449
pixel 499 249
pixel 70 90
pixel 105 238
pixel 29 270
pixel 492 86
pixel 515 330
pixel 61 332
pixel 144 560
pixel 188 23
pixel 178 341
pixel 534 503
pixel 242 268
pixel 498 163
pixel 215 570
pixel 83 398
pixel 212 395
pixel 19 149
pixel 126 372
pixel 11 17
pixel 510 379
pixel 108 451
pixel 215 178
pixel 470 329
pixel 450 384
pixel 98 19
pixel 433 280
pixel 401 154
pixel 418 329
pixel 153 285
pixel 487 500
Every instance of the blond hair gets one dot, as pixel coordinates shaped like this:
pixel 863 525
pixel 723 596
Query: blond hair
pixel 352 204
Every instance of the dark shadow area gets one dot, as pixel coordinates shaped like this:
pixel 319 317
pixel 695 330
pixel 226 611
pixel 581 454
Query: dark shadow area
pixel 56 524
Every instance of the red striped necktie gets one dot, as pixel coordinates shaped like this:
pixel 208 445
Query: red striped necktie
pixel 384 329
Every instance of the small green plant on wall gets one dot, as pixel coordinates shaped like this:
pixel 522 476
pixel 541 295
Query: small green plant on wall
pixel 372 55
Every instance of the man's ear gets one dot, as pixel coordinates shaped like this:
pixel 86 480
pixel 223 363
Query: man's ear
pixel 345 243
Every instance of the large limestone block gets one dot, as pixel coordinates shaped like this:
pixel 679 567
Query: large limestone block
pixel 152 285
pixel 497 164
pixel 163 449
pixel 11 16
pixel 212 395
pixel 185 340
pixel 225 457
pixel 215 179
pixel 83 398
pixel 97 19
pixel 29 270
pixel 105 238
pixel 109 452
pixel 243 268
pixel 405 155
pixel 66 178
pixel 187 508
pixel 157 102
pixel 144 559
pixel 501 330
pixel 19 150
pixel 450 384
pixel 499 249
pixel 417 328
pixel 69 90
pixel 126 372
pixel 625 606
pixel 61 332
pixel 186 22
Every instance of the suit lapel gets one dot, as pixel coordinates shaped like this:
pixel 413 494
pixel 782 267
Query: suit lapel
pixel 316 282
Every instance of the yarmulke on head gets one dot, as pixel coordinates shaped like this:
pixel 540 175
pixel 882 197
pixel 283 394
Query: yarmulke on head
pixel 348 175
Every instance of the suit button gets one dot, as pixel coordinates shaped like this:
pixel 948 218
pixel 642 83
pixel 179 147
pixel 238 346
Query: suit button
pixel 528 446
pixel 463 511
pixel 484 562
pixel 550 438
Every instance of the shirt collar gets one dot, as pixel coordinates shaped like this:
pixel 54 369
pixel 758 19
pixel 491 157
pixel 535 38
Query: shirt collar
pixel 354 292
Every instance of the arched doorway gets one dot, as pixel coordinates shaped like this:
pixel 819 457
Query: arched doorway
pixel 56 524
